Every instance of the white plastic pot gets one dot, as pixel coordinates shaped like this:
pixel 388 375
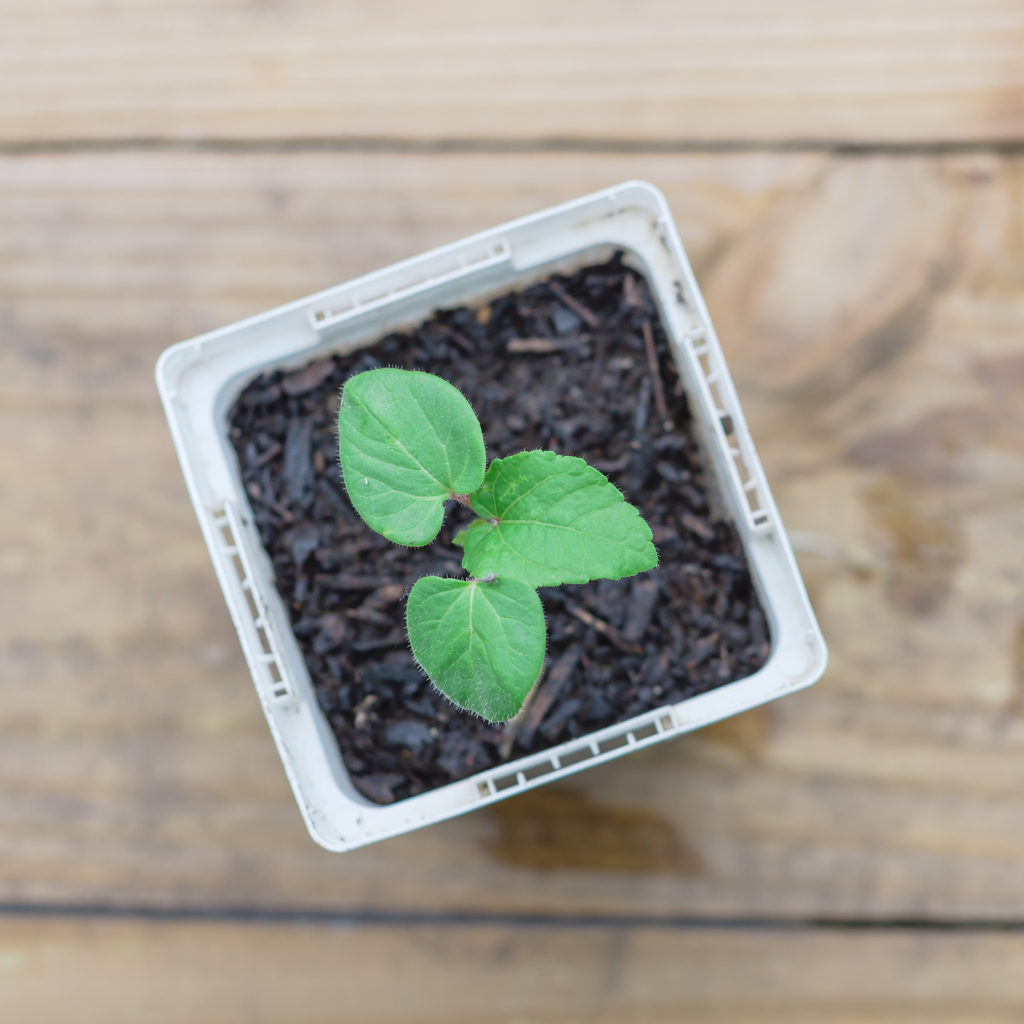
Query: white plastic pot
pixel 200 379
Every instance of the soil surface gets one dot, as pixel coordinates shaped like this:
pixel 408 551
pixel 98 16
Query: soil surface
pixel 578 364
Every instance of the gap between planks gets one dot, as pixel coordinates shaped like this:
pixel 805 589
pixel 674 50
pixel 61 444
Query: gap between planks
pixel 496 146
pixel 241 914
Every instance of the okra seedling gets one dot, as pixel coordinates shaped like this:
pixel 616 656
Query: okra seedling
pixel 409 443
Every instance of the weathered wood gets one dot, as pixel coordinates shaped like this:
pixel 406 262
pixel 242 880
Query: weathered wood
pixel 106 260
pixel 657 70
pixel 872 313
pixel 170 972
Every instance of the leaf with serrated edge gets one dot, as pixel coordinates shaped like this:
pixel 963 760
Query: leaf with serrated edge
pixel 481 644
pixel 548 519
pixel 407 441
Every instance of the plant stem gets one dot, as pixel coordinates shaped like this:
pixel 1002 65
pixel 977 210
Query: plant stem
pixel 462 499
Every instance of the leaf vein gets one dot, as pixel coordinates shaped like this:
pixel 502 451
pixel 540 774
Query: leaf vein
pixel 426 472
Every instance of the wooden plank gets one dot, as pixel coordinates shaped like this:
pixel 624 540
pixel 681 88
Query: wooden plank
pixel 105 260
pixel 872 312
pixel 76 972
pixel 906 71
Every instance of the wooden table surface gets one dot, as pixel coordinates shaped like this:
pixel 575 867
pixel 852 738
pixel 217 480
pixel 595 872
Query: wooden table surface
pixel 848 178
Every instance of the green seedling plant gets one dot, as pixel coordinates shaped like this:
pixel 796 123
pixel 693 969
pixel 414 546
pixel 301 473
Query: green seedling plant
pixel 410 443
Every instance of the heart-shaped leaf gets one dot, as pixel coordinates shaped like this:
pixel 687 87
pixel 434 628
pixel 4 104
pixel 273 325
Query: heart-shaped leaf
pixel 548 519
pixel 408 441
pixel 481 644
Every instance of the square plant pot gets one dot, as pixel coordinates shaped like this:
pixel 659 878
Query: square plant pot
pixel 200 380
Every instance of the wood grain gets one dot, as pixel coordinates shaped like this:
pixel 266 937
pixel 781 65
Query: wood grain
pixel 106 260
pixel 650 71
pixel 872 311
pixel 126 971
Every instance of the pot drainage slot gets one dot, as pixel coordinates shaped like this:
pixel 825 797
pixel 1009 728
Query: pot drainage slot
pixel 615 743
pixel 646 730
pixel 642 734
pixel 734 442
pixel 254 627
pixel 442 268
pixel 576 757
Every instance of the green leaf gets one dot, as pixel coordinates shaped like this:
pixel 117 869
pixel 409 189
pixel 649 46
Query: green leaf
pixel 407 442
pixel 481 644
pixel 549 519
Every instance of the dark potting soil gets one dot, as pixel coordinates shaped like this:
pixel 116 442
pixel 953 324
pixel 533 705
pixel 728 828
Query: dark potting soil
pixel 578 364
